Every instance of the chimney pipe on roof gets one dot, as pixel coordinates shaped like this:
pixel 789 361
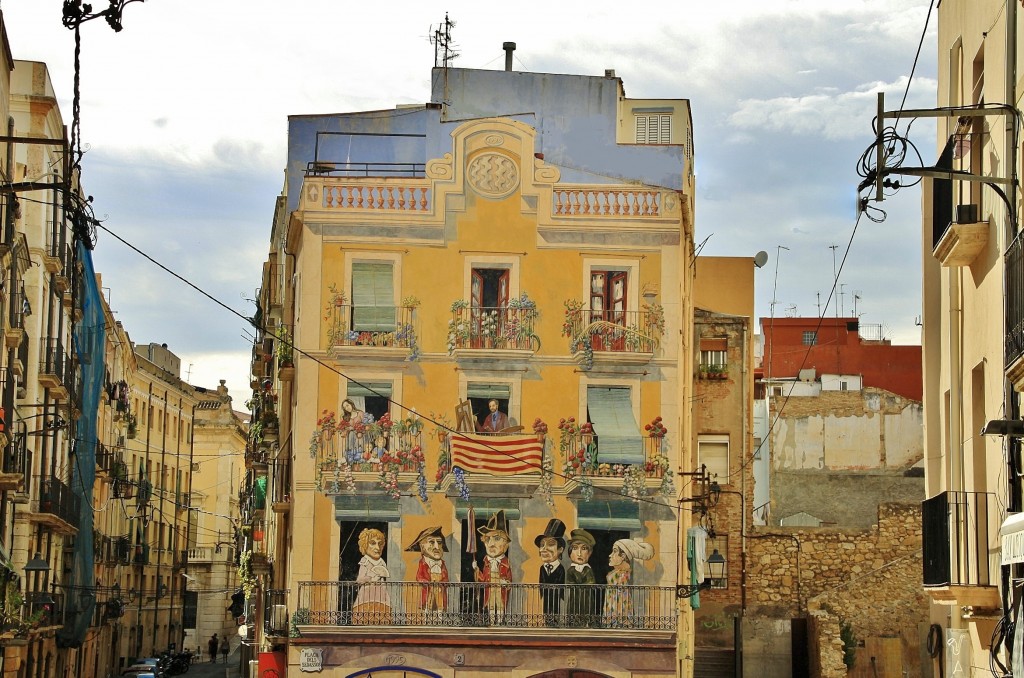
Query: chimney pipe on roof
pixel 509 47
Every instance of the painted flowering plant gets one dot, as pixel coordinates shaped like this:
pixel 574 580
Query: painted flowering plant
pixel 656 429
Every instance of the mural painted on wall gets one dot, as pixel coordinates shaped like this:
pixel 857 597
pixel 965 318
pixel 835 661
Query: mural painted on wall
pixel 355 448
pixel 569 592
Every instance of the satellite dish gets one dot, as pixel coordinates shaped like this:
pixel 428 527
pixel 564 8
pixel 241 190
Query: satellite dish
pixel 760 259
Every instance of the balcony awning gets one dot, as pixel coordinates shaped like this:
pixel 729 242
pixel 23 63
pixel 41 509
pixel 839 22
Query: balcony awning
pixel 609 515
pixel 382 509
pixel 1011 538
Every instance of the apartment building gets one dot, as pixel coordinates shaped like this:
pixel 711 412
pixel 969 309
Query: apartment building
pixel 973 350
pixel 474 359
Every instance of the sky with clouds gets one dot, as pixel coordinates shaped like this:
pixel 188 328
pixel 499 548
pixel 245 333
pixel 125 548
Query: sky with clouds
pixel 184 115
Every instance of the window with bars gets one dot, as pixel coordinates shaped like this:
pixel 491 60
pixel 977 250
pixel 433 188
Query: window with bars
pixel 654 128
pixel 810 338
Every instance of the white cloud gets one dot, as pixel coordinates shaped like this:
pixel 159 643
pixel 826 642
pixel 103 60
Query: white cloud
pixel 838 115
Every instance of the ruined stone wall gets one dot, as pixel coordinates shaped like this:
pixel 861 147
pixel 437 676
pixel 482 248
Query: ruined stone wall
pixel 869 578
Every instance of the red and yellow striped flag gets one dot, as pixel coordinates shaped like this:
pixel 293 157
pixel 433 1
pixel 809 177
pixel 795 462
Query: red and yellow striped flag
pixel 497 455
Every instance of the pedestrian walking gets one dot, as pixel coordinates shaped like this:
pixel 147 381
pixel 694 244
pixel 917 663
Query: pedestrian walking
pixel 212 648
pixel 225 647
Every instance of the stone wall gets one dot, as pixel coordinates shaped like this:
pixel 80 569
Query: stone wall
pixel 869 578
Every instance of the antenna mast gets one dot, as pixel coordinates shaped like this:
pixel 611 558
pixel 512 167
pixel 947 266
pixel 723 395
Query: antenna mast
pixel 444 53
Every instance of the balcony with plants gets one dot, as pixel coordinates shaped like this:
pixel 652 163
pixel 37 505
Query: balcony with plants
pixel 371 331
pixel 584 467
pixel 508 328
pixel 713 372
pixel 365 454
pixel 612 336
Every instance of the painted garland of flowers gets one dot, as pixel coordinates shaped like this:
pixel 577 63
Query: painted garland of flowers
pixel 579 463
pixel 547 464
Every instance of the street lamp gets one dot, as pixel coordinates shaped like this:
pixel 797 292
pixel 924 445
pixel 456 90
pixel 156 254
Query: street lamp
pixel 37 564
pixel 716 569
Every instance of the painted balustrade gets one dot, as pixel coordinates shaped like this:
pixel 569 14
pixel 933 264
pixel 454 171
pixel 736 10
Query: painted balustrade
pixel 595 201
pixel 411 197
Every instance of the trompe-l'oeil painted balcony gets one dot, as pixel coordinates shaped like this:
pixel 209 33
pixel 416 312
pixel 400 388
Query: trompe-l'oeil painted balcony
pixel 612 336
pixel 383 454
pixel 635 467
pixel 509 328
pixel 339 607
pixel 379 332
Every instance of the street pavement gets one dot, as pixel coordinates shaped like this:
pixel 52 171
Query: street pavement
pixel 205 669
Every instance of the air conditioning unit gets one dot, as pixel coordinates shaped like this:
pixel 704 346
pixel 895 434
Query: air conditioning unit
pixel 278 617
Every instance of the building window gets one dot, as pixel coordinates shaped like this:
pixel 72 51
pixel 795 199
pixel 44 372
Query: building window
pixel 713 452
pixel 370 396
pixel 610 412
pixel 373 296
pixel 654 129
pixel 608 296
pixel 810 338
pixel 481 393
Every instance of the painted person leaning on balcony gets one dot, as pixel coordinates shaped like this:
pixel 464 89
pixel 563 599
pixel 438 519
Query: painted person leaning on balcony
pixel 618 599
pixel 550 545
pixel 495 420
pixel 496 572
pixel 581 596
pixel 432 572
pixel 373 602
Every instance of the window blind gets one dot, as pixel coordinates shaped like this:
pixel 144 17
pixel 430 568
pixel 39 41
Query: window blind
pixel 373 297
pixel 618 435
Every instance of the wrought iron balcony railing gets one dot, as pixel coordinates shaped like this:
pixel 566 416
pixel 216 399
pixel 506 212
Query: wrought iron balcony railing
pixel 613 331
pixel 275 613
pixel 957 527
pixel 371 326
pixel 503 327
pixel 1013 265
pixel 54 363
pixel 57 499
pixel 471 604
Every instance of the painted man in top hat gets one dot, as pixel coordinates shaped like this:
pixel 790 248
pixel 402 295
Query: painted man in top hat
pixel 431 570
pixel 581 600
pixel 552 574
pixel 497 570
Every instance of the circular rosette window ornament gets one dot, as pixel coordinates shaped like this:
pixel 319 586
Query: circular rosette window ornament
pixel 493 175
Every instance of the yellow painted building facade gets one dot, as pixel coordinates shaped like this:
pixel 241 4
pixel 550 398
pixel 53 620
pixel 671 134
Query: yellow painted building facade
pixel 481 274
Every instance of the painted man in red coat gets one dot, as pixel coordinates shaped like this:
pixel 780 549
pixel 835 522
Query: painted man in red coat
pixel 497 570
pixel 495 420
pixel 432 571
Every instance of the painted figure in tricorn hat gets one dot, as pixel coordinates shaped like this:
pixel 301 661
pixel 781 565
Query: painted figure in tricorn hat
pixel 552 574
pixel 431 570
pixel 497 570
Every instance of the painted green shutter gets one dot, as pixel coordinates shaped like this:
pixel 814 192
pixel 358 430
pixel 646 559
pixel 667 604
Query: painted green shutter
pixel 618 435
pixel 373 297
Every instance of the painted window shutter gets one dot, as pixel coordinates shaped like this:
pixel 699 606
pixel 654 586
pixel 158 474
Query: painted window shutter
pixel 618 435
pixel 373 297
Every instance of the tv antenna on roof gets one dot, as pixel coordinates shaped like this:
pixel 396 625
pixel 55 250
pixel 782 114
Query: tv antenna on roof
pixel 441 39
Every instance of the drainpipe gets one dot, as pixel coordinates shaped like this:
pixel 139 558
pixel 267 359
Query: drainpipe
pixel 954 425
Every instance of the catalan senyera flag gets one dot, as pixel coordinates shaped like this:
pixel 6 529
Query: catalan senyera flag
pixel 498 455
